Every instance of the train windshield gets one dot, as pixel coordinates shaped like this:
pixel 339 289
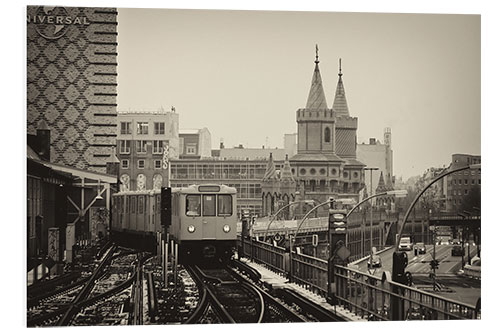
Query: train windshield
pixel 212 203
pixel 193 205
pixel 225 205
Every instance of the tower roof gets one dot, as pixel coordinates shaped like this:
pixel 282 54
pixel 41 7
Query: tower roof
pixel 340 102
pixel 286 172
pixel 381 183
pixel 316 98
pixel 388 183
pixel 271 173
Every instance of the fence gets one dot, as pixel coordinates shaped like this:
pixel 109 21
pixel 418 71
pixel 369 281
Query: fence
pixel 365 295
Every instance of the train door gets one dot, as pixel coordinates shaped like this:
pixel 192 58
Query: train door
pixel 209 218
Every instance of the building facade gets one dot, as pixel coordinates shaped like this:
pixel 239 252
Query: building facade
pixel 142 141
pixel 377 155
pixel 72 82
pixel 244 174
pixel 195 143
pixel 325 164
pixel 462 183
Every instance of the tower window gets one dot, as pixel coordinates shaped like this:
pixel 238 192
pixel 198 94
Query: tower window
pixel 327 134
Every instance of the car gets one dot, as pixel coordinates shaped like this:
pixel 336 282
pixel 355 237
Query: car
pixel 405 244
pixel 457 251
pixel 374 261
pixel 421 248
pixel 455 241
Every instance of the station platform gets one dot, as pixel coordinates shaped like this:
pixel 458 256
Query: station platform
pixel 278 281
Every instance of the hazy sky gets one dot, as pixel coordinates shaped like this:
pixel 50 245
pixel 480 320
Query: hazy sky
pixel 243 74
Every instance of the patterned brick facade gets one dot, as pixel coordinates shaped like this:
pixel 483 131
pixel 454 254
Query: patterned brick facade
pixel 72 82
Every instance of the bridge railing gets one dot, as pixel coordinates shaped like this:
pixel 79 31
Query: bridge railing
pixel 361 293
pixel 368 296
pixel 310 273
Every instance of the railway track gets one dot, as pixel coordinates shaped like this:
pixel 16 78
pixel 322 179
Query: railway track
pixel 230 300
pixel 235 297
pixel 103 298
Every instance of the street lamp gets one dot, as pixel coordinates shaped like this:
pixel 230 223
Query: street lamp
pixel 371 213
pixel 273 217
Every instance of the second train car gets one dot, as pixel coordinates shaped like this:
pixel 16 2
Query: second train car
pixel 203 220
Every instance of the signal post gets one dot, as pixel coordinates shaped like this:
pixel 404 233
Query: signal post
pixel 166 220
pixel 338 254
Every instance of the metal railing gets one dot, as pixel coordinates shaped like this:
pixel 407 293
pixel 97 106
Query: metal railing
pixel 363 294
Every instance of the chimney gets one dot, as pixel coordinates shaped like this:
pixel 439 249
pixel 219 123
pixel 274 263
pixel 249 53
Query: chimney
pixel 372 141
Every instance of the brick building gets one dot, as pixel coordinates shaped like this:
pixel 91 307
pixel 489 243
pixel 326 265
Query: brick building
pixel 72 81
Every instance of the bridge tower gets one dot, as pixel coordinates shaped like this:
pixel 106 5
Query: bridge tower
pixel 325 163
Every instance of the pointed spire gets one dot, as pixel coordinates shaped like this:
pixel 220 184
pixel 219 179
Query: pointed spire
pixel 271 173
pixel 316 98
pixel 388 183
pixel 340 101
pixel 286 172
pixel 381 183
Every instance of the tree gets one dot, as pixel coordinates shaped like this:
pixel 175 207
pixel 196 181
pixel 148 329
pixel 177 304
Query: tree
pixel 472 200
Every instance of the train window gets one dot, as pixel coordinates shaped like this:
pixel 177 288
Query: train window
pixel 209 205
pixel 225 204
pixel 132 204
pixel 140 209
pixel 193 205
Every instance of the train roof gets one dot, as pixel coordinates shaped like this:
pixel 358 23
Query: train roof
pixel 201 188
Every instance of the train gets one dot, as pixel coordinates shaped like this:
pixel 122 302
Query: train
pixel 203 221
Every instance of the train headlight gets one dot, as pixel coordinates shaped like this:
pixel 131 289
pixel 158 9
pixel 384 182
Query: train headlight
pixel 191 228
pixel 226 228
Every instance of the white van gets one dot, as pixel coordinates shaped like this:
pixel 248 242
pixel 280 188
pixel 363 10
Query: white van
pixel 405 244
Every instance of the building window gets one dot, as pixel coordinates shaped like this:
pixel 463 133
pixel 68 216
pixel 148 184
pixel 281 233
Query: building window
pixel 466 173
pixel 327 134
pixel 346 174
pixel 465 181
pixel 302 171
pixel 125 127
pixel 312 171
pixel 159 128
pixel 472 173
pixel 140 164
pixel 157 147
pixel 125 147
pixel 191 150
pixel 459 192
pixel 125 164
pixel 141 146
pixel 479 181
pixel 466 191
pixel 473 181
pixel 157 164
pixel 334 172
pixel 355 175
pixel 142 127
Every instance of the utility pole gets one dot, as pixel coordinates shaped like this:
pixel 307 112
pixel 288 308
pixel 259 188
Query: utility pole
pixel 371 213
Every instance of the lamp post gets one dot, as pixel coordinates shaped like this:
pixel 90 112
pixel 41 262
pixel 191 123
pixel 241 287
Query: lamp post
pixel 371 211
pixel 273 217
